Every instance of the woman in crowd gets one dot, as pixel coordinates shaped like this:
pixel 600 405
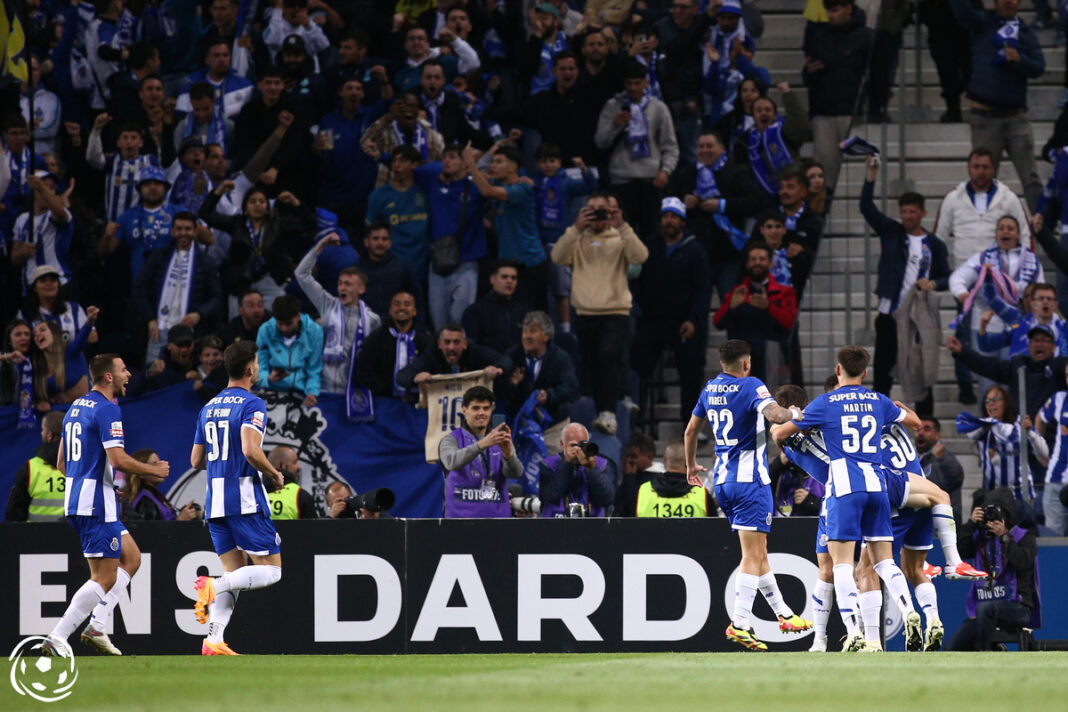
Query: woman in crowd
pixel 60 372
pixel 997 436
pixel 16 369
pixel 264 246
pixel 142 501
pixel 45 302
pixel 733 125
pixel 819 196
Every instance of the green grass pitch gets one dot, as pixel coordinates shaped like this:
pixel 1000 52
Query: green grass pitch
pixel 1022 682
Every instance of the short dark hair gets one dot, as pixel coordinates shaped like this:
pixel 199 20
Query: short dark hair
pixel 733 351
pixel 561 56
pixel 238 356
pixel 141 53
pixel 452 326
pixel 478 393
pixel 14 121
pixel 712 132
pixel 793 172
pixel 247 292
pixel 1044 286
pixel 791 395
pixel 548 150
pixel 634 69
pixel 130 127
pixel 830 383
pixel 359 36
pixel 272 71
pixel 408 153
pixel 101 365
pixel 213 43
pixel 853 360
pixel 911 198
pixel 752 247
pixel 509 152
pixel 201 90
pixel 769 215
pixel 184 215
pixel 455 147
pixel 285 307
pixel 642 442
pixel 149 78
pixel 294 3
pixel 828 4
pixel 432 62
pixel 500 264
pixel 376 225
pixel 933 421
pixel 981 151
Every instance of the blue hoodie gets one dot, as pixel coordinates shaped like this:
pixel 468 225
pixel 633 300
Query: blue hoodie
pixel 303 358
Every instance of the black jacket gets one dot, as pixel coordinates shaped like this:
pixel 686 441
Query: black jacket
pixel 1042 379
pixel 257 121
pixel 494 321
pixel 205 292
pixel 682 49
pixel 385 278
pixel 568 119
pixel 676 287
pixel 844 51
pixel 452 122
pixel 555 483
pixel 627 493
pixel 1019 556
pixel 737 187
pixel 18 502
pixel 895 250
pixel 374 368
pixel 235 330
pixel 474 358
pixel 556 377
pixel 172 373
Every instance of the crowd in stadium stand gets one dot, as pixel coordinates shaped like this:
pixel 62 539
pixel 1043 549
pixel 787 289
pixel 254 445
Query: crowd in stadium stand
pixel 553 193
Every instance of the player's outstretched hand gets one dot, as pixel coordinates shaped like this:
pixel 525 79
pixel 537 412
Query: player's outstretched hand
pixel 693 474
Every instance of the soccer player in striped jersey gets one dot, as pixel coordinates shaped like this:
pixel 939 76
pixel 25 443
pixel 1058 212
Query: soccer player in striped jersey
pixel 851 419
pixel 122 170
pixel 1054 414
pixel 735 404
pixel 229 442
pixel 91 447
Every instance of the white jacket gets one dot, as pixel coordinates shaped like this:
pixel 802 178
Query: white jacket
pixel 964 278
pixel 966 232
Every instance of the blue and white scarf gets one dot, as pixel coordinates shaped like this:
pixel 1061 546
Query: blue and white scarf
pixel 1029 265
pixel 550 200
pixel 185 190
pixel 405 354
pixel 19 170
pixel 638 128
pixel 359 402
pixel 544 78
pixel 256 237
pixel 790 221
pixel 707 188
pixel 654 80
pixel 857 146
pixel 177 285
pixel 780 267
pixel 215 131
pixel 25 378
pixel 433 109
pixel 1008 35
pixel 765 146
pixel 419 139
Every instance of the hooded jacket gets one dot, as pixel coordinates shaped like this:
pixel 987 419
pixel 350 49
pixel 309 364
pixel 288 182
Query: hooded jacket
pixel 844 51
pixel 302 358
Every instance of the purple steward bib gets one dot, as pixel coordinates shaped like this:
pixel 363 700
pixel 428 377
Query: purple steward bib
pixel 473 493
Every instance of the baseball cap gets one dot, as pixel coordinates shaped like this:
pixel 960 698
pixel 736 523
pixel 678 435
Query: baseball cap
pixel 153 173
pixel 730 7
pixel 294 43
pixel 41 270
pixel 673 205
pixel 548 8
pixel 1036 329
pixel 180 335
pixel 42 174
pixel 189 142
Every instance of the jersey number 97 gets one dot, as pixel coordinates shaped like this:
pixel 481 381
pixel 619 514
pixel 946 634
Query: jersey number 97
pixel 218 436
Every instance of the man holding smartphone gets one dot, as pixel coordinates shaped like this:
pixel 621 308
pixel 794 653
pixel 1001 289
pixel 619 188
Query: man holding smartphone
pixel 477 459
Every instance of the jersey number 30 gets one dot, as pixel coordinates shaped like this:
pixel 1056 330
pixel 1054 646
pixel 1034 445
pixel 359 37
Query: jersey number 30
pixel 218 436
pixel 853 440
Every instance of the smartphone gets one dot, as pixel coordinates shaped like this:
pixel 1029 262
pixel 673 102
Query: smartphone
pixel 497 420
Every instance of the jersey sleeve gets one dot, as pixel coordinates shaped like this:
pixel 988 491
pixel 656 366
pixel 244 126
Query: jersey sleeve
pixel 198 436
pixel 255 416
pixel 892 413
pixel 761 396
pixel 1047 410
pixel 815 413
pixel 109 421
pixel 699 410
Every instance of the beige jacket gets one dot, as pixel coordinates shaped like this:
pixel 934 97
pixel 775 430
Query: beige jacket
pixel 598 263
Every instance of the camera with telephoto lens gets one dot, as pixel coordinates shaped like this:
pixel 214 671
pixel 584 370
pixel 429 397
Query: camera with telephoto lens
pixel 993 513
pixel 589 449
pixel 527 504
pixel 376 500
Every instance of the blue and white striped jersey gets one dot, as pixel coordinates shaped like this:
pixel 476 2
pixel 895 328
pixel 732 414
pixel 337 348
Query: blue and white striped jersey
pixel 92 425
pixel 1055 414
pixel 120 182
pixel 234 487
pixel 808 451
pixel 899 451
pixel 851 419
pixel 733 407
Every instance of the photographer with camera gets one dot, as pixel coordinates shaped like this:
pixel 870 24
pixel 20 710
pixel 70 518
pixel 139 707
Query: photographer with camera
pixel 578 482
pixel 341 503
pixel 1009 596
pixel 291 501
pixel 599 248
pixel 477 460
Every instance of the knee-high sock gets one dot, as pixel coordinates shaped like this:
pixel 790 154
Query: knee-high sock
pixel 219 614
pixel 248 578
pixel 896 584
pixel 946 531
pixel 822 598
pixel 745 590
pixel 85 599
pixel 103 610
pixel 769 587
pixel 928 598
pixel 871 607
pixel 845 589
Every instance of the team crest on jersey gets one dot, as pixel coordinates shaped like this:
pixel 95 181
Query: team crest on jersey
pixel 114 543
pixel 116 429
pixel 823 540
pixel 768 519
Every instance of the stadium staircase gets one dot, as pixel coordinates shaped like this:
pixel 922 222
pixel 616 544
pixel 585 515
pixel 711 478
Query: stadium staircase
pixel 836 309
